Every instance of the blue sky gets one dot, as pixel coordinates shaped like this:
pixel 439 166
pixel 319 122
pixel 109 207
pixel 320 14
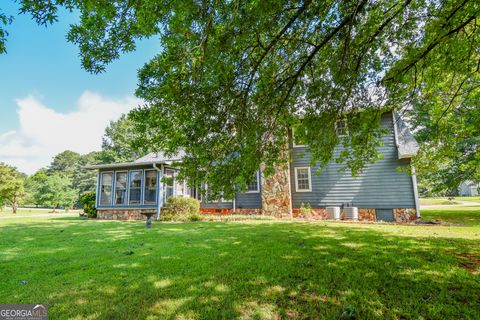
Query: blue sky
pixel 41 68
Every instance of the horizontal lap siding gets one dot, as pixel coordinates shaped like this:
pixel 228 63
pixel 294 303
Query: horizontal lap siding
pixel 248 200
pixel 216 205
pixel 381 185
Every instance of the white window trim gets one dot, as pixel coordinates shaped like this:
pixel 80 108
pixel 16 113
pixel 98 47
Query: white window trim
pixel 115 188
pixel 258 185
pixel 309 180
pixel 145 186
pixel 141 186
pixel 293 140
pixel 112 186
pixel 337 128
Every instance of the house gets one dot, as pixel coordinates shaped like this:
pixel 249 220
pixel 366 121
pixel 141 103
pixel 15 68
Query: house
pixel 381 192
pixel 468 189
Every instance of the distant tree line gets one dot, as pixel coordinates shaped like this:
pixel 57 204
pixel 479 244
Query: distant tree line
pixel 64 181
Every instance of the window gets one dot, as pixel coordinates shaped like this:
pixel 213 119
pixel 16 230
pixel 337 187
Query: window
pixel 341 127
pixel 169 183
pixel 181 188
pixel 303 179
pixel 106 188
pixel 253 186
pixel 120 188
pixel 150 187
pixel 135 187
pixel 296 139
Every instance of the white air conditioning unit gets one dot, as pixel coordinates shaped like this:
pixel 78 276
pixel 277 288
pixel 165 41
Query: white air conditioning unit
pixel 350 213
pixel 333 213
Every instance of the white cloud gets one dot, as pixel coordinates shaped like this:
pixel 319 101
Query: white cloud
pixel 45 132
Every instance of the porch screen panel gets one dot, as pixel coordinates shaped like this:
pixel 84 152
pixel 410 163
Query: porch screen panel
pixel 106 189
pixel 169 183
pixel 150 187
pixel 120 188
pixel 135 187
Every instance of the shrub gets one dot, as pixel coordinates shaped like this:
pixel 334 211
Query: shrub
pixel 167 215
pixel 183 206
pixel 88 204
pixel 195 217
pixel 305 209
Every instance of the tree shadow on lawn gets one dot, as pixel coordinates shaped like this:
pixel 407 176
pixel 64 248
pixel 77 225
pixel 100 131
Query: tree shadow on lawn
pixel 119 270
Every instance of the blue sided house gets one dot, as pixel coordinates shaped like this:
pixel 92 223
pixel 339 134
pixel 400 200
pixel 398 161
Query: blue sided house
pixel 381 192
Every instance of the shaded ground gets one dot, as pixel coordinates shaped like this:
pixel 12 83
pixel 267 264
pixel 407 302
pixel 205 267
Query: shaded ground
pixel 256 270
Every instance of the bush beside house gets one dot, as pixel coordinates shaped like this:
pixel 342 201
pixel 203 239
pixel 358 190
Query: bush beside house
pixel 182 209
pixel 88 204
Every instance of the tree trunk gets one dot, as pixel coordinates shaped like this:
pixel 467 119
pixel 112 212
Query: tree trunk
pixel 14 206
pixel 54 209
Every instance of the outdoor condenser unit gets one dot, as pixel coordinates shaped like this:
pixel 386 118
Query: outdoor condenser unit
pixel 333 213
pixel 351 213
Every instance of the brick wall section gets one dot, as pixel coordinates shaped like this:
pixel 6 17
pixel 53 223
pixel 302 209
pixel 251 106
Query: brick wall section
pixel 245 211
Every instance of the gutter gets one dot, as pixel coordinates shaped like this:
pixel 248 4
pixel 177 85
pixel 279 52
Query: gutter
pixel 159 202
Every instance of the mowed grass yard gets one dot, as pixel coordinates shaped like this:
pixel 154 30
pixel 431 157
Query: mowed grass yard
pixel 88 269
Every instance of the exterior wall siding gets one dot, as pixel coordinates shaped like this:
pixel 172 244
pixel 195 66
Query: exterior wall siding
pixel 250 200
pixel 380 186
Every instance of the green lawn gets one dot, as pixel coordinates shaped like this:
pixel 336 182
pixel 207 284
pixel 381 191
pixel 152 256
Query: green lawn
pixel 87 269
pixel 467 215
pixel 32 211
pixel 445 201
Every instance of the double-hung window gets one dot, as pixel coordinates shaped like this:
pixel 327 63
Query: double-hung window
pixel 303 179
pixel 135 187
pixel 106 188
pixel 120 188
pixel 253 186
pixel 150 193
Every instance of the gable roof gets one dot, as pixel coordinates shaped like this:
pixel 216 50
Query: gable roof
pixel 149 159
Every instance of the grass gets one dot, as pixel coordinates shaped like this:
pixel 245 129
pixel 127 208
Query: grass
pixel 32 211
pixel 445 201
pixel 465 214
pixel 87 269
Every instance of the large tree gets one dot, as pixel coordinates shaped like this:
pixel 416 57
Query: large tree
pixel 233 76
pixel 11 186
pixel 118 140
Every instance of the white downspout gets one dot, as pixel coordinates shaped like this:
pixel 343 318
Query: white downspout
pixel 415 191
pixel 159 193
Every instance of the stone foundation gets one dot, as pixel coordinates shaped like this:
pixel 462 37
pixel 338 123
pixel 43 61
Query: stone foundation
pixel 367 215
pixel 124 214
pixel 315 213
pixel 404 215
pixel 245 211
pixel 276 195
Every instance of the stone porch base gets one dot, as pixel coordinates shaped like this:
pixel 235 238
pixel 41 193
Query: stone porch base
pixel 124 214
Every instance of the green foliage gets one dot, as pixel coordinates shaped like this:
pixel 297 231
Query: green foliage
pixel 232 78
pixel 54 190
pixel 183 206
pixel 118 139
pixel 88 204
pixel 305 209
pixel 11 186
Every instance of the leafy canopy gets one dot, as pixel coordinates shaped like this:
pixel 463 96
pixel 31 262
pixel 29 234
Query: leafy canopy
pixel 233 76
pixel 11 186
